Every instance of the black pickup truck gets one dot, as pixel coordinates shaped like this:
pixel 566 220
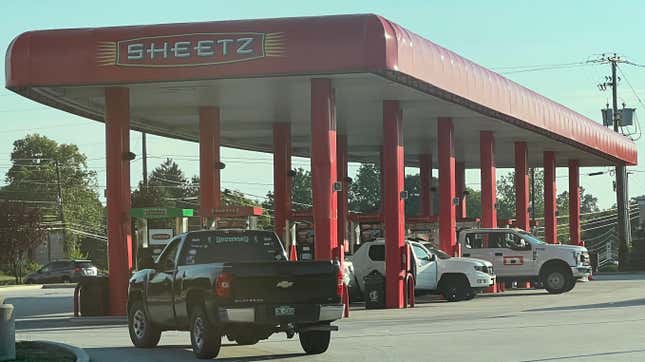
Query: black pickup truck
pixel 233 283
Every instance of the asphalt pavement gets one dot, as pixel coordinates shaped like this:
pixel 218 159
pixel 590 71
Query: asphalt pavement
pixel 600 320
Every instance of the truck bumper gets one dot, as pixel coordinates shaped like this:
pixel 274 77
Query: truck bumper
pixel 278 314
pixel 580 271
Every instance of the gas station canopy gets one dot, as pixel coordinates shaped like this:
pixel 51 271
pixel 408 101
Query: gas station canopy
pixel 258 72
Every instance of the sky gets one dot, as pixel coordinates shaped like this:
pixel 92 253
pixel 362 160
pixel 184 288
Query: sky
pixel 499 35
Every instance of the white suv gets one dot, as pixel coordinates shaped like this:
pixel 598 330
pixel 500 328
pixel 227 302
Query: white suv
pixel 455 278
pixel 520 256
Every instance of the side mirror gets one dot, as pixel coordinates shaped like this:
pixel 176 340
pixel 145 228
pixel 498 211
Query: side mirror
pixel 433 257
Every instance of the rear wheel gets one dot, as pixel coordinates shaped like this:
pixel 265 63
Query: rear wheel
pixel 557 279
pixel 315 342
pixel 205 338
pixel 143 333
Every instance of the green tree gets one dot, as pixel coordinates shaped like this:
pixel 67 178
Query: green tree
pixel 37 162
pixel 171 180
pixel 473 202
pixel 21 229
pixel 365 191
pixel 506 194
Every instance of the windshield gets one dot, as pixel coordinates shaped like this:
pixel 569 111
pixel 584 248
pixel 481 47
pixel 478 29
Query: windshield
pixel 531 237
pixel 232 246
pixel 440 254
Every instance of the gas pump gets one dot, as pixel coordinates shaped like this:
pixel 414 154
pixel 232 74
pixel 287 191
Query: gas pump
pixel 236 217
pixel 364 228
pixel 151 241
pixel 302 234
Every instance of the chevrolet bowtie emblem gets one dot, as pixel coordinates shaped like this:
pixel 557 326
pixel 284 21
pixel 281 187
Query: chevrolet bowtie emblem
pixel 284 284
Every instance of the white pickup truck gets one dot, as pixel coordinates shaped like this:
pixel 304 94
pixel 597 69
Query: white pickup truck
pixel 455 278
pixel 520 256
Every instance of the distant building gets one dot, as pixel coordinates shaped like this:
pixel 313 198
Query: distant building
pixel 641 207
pixel 51 248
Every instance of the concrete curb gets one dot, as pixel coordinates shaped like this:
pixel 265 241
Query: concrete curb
pixel 59 286
pixel 81 355
pixel 19 287
pixel 99 320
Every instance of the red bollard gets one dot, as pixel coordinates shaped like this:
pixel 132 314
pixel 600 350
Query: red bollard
pixel 346 300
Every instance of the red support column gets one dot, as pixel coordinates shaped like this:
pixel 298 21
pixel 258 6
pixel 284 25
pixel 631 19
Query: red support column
pixel 574 202
pixel 460 187
pixel 425 171
pixel 343 209
pixel 393 204
pixel 447 220
pixel 343 203
pixel 281 179
pixel 209 160
pixel 488 179
pixel 323 168
pixel 381 184
pixel 550 219
pixel 521 186
pixel 117 129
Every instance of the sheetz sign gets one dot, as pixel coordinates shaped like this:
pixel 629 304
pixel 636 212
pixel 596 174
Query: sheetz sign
pixel 195 49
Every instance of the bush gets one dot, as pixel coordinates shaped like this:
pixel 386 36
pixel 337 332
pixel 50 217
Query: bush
pixel 608 269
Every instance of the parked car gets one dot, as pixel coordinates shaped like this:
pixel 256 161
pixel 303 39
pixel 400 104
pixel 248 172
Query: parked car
pixel 234 283
pixel 520 256
pixel 455 278
pixel 62 271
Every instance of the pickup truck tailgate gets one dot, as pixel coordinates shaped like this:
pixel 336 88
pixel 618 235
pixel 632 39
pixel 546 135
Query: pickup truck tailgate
pixel 307 282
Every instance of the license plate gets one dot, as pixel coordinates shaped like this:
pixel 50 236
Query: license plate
pixel 284 310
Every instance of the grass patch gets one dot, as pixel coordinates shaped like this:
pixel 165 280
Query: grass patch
pixel 7 279
pixel 36 352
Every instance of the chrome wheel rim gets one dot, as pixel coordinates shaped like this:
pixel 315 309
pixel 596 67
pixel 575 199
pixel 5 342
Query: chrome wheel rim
pixel 556 280
pixel 198 333
pixel 139 323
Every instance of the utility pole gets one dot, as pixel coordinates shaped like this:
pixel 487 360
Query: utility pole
pixel 60 204
pixel 622 200
pixel 144 159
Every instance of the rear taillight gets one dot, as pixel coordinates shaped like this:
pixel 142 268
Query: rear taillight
pixel 223 284
pixel 78 270
pixel 339 284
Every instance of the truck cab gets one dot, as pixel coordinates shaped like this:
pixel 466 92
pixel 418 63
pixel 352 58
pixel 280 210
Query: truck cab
pixel 520 256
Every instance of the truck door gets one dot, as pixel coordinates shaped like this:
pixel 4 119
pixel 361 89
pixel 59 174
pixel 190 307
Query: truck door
pixel 478 245
pixel 519 257
pixel 426 268
pixel 160 285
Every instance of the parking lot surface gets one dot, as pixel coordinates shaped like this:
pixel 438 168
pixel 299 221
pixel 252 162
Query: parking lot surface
pixel 600 320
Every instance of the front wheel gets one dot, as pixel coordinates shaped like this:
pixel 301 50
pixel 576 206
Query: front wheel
pixel 204 337
pixel 143 333
pixel 315 342
pixel 455 289
pixel 558 280
pixel 471 294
